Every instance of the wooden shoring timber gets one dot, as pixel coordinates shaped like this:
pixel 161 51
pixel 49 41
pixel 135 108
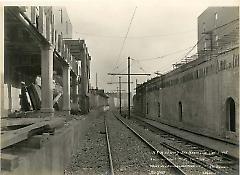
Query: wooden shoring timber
pixel 15 136
pixel 20 114
pixel 21 121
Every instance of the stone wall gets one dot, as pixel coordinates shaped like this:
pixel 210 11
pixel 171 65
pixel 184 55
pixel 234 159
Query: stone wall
pixel 202 90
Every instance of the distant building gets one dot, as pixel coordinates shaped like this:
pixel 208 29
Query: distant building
pixel 80 52
pixel 62 23
pixel 98 99
pixel 218 30
pixel 114 100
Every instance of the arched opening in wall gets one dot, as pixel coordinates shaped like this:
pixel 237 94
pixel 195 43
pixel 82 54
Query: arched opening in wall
pixel 147 109
pixel 159 109
pixel 180 110
pixel 231 114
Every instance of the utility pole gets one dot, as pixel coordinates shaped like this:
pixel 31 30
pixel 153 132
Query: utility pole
pixel 128 74
pixel 136 83
pixel 116 93
pixel 120 96
pixel 96 81
pixel 129 88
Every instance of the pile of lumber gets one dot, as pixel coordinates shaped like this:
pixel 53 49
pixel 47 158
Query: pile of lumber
pixel 26 132
pixel 16 130
pixel 30 98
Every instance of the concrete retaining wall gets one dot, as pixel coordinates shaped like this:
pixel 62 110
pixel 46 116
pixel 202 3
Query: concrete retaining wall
pixel 203 95
pixel 53 157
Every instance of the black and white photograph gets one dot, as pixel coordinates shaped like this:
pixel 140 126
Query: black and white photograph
pixel 119 87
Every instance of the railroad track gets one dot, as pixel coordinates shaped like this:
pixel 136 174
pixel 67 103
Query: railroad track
pixel 215 162
pixel 188 166
pixel 169 161
pixel 169 164
pixel 109 147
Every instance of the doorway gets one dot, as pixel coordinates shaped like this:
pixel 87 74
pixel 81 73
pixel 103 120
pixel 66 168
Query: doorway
pixel 159 109
pixel 180 110
pixel 231 114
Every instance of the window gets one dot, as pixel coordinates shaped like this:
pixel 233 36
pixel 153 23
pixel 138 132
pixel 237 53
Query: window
pixel 53 19
pixel 216 39
pixel 37 20
pixel 197 74
pixel 204 27
pixel 216 16
pixel 180 110
pixel 231 114
pixel 205 45
pixel 61 16
pixel 55 37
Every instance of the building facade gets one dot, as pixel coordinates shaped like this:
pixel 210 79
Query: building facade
pixel 98 99
pixel 217 30
pixel 35 52
pixel 80 50
pixel 201 96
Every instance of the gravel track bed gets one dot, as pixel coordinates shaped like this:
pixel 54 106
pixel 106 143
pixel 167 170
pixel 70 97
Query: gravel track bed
pixel 188 166
pixel 91 157
pixel 204 154
pixel 131 155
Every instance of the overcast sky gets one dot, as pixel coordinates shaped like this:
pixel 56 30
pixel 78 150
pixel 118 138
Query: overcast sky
pixel 159 27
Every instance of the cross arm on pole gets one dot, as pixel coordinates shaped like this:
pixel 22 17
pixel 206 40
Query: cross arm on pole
pixel 118 82
pixel 129 74
pixel 118 90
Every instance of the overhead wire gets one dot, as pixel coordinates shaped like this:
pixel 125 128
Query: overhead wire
pixel 125 38
pixel 163 56
pixel 135 37
pixel 204 36
pixel 140 65
pixel 225 41
pixel 121 71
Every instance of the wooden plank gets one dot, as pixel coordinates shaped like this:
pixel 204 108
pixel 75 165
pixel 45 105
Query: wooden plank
pixel 9 162
pixel 22 114
pixel 25 99
pixel 15 136
pixel 35 96
pixel 21 121
pixel 57 98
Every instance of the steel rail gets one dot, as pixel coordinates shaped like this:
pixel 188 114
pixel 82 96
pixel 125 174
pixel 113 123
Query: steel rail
pixel 109 148
pixel 178 170
pixel 180 152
